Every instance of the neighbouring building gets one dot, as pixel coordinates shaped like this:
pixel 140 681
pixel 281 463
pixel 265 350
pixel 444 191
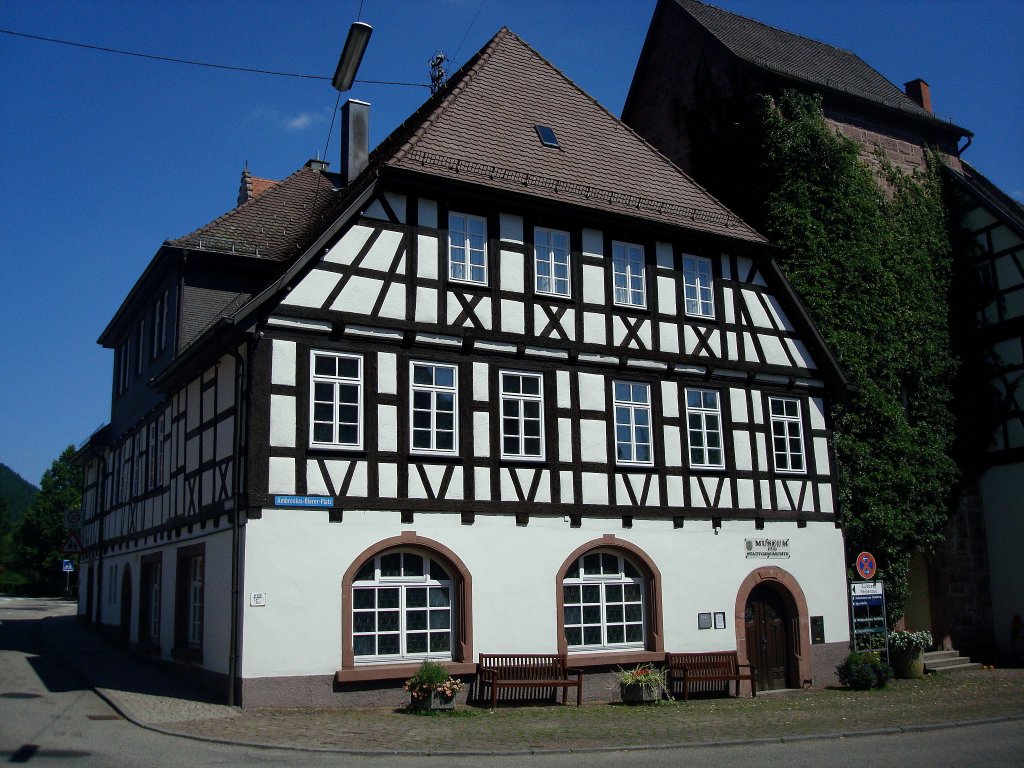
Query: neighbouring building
pixel 512 382
pixel 697 83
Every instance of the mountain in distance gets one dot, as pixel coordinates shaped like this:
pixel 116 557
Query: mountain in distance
pixel 17 491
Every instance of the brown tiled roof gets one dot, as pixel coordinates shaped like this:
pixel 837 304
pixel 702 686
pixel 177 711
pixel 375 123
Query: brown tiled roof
pixel 804 59
pixel 259 186
pixel 481 130
pixel 275 224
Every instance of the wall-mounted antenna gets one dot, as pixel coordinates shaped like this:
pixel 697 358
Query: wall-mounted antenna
pixel 438 74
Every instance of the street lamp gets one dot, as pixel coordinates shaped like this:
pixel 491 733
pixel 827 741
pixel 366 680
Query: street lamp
pixel 351 55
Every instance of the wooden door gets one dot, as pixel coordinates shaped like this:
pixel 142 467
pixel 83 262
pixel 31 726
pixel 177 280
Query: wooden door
pixel 768 646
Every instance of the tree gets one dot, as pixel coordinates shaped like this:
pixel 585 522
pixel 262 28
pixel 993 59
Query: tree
pixel 38 539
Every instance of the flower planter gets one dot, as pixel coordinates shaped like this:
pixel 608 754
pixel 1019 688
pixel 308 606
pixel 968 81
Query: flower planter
pixel 434 701
pixel 638 693
pixel 907 664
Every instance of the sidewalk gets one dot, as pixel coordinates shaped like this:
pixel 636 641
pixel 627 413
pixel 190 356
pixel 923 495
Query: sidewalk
pixel 149 696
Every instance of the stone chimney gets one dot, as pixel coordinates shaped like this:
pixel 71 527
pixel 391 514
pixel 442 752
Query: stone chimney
pixel 355 138
pixel 245 186
pixel 919 91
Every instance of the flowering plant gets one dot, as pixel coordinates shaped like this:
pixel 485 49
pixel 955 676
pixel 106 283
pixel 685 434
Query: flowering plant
pixel 654 678
pixel 432 677
pixel 909 641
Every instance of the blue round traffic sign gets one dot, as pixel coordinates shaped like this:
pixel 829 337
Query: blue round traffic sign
pixel 866 565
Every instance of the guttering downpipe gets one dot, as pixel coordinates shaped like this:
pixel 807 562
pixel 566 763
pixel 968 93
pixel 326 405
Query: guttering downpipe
pixel 241 372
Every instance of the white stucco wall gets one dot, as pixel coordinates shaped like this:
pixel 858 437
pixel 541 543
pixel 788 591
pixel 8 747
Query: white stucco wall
pixel 298 558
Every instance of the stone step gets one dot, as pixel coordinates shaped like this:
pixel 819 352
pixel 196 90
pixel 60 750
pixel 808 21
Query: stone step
pixel 947 661
pixel 932 656
pixel 968 664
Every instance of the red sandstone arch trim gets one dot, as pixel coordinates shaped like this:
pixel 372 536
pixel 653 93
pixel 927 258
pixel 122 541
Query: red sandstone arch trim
pixel 463 603
pixel 654 642
pixel 789 589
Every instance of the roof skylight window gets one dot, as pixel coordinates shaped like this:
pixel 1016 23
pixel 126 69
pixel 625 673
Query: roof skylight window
pixel 547 136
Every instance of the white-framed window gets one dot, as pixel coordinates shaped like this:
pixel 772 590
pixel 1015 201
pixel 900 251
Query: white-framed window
pixel 112 586
pixel 138 466
pixel 467 248
pixel 159 325
pixel 632 403
pixel 151 456
pixel 522 415
pixel 698 284
pixel 628 275
pixel 787 434
pixel 551 261
pixel 402 608
pixel 154 602
pixel 123 365
pixel 336 400
pixel 603 603
pixel 704 428
pixel 434 405
pixel 195 602
pixel 160 430
pixel 140 347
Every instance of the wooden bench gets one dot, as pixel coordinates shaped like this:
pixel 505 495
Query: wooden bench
pixel 528 670
pixel 710 667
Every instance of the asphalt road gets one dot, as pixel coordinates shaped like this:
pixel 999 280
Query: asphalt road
pixel 49 717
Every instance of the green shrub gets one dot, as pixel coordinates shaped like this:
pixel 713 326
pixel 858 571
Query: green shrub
pixel 862 671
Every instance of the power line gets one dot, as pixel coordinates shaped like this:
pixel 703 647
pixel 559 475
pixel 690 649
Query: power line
pixel 466 34
pixel 191 62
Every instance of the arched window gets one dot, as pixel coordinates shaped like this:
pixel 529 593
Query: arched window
pixel 402 608
pixel 604 603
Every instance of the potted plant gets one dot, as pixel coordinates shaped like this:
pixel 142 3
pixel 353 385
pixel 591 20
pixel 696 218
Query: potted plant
pixel 906 653
pixel 644 684
pixel 432 687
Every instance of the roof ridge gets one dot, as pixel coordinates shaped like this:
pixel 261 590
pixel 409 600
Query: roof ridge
pixel 464 76
pixel 772 26
pixel 679 171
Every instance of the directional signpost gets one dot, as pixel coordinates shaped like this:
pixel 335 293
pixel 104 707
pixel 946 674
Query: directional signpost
pixel 867 607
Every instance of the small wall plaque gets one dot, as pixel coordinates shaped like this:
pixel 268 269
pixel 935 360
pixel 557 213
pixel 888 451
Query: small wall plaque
pixel 703 621
pixel 719 619
pixel 257 599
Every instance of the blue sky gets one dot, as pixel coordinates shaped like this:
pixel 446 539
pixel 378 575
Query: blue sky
pixel 104 157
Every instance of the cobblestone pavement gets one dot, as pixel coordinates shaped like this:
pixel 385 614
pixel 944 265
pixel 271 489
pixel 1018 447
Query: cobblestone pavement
pixel 147 694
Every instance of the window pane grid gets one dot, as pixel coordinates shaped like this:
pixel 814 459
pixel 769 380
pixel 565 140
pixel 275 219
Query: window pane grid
pixel 434 408
pixel 787 437
pixel 632 403
pixel 467 248
pixel 697 287
pixel 628 274
pixel 602 609
pixel 704 428
pixel 551 258
pixel 336 400
pixel 400 612
pixel 522 429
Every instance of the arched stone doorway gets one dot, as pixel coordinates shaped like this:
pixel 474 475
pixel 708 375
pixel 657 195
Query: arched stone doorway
pixel 772 628
pixel 125 626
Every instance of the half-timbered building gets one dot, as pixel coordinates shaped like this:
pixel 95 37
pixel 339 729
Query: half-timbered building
pixel 512 382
